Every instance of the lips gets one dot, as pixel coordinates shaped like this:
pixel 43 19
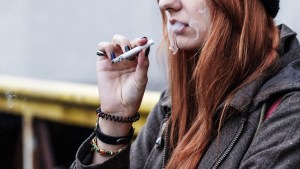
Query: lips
pixel 176 26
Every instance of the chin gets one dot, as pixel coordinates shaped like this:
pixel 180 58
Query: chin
pixel 190 42
pixel 189 45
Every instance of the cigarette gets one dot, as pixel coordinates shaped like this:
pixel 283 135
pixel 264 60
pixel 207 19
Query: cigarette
pixel 133 51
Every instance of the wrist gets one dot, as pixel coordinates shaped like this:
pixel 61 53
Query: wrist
pixel 111 129
pixel 119 110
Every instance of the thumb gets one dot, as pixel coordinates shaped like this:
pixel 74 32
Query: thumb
pixel 142 67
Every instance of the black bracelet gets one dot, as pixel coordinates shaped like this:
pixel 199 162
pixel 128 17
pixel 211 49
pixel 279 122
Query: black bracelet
pixel 113 140
pixel 132 119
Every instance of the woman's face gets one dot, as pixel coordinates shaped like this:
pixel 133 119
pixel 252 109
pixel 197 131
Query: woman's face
pixel 188 22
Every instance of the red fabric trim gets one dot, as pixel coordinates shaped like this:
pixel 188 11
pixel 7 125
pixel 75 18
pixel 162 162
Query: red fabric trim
pixel 272 108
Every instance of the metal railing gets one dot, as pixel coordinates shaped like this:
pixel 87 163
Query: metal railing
pixel 62 102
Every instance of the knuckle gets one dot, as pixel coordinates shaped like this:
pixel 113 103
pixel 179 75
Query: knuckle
pixel 101 44
pixel 120 39
pixel 104 45
pixel 135 40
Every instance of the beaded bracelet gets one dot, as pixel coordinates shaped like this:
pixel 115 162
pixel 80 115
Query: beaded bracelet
pixel 132 119
pixel 105 152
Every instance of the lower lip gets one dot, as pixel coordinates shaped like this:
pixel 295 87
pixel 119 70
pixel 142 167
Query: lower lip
pixel 180 31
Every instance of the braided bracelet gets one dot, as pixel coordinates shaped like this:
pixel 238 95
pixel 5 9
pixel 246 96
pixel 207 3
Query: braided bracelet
pixel 103 115
pixel 105 152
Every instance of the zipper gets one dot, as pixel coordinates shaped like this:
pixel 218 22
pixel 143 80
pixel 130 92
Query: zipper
pixel 231 145
pixel 160 140
pixel 166 142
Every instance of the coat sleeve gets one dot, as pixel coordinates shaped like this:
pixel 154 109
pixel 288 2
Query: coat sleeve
pixel 145 141
pixel 276 145
pixel 133 156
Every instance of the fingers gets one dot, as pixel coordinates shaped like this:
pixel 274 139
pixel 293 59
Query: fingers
pixel 142 67
pixel 124 44
pixel 140 75
pixel 105 50
pixel 139 42
pixel 121 42
pixel 119 45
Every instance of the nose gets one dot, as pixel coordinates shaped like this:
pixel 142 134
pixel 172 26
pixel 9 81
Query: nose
pixel 170 5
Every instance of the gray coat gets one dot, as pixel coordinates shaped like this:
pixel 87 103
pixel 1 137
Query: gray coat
pixel 242 144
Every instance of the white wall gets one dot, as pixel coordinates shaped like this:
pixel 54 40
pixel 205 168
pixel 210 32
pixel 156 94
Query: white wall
pixel 289 14
pixel 58 39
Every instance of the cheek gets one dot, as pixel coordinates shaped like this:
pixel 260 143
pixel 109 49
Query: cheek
pixel 200 22
pixel 199 27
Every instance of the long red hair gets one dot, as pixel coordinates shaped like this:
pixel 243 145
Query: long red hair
pixel 240 47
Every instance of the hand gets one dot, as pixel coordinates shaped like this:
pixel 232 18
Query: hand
pixel 121 85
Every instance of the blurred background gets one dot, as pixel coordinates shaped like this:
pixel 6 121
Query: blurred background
pixel 55 41
pixel 58 39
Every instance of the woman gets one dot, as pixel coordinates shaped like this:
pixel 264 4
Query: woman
pixel 229 65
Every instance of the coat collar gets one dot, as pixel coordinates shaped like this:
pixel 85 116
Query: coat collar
pixel 255 92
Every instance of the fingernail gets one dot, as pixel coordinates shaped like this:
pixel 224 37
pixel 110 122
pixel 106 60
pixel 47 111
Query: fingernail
pixel 101 53
pixel 112 55
pixel 127 48
pixel 147 51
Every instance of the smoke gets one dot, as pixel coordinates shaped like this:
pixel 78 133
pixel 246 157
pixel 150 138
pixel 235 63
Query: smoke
pixel 172 37
pixel 199 23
